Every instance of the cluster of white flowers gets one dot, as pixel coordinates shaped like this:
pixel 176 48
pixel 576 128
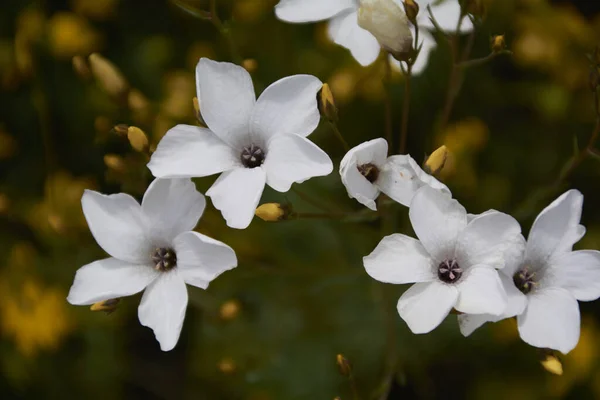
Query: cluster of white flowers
pixel 478 265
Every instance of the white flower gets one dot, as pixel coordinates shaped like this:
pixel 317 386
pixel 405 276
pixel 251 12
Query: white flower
pixel 251 141
pixel 386 20
pixel 366 170
pixel 345 31
pixel 544 278
pixel 152 247
pixel 447 14
pixel 453 265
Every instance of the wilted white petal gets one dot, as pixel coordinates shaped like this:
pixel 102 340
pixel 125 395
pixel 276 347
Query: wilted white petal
pixel 118 225
pixel 387 21
pixel 172 206
pixel 163 308
pixel 109 279
pixel 344 30
pixel 288 106
pixel 236 194
pixel 437 220
pixel 551 320
pixel 578 272
pixel 481 292
pixel 292 158
pixel 399 259
pixel 201 259
pixel 425 305
pixel 226 96
pixel 189 151
pixel 311 10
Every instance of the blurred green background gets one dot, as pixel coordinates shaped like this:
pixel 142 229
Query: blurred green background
pixel 271 328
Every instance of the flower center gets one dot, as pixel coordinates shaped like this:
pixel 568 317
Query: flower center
pixel 449 271
pixel 252 156
pixel 524 280
pixel 164 259
pixel 369 171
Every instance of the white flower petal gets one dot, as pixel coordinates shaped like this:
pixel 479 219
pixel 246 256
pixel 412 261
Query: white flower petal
pixel 118 225
pixel 292 158
pixel 425 177
pixel 109 279
pixel 437 220
pixel 162 308
pixel 447 15
pixel 236 194
pixel 486 238
pixel 311 10
pixel 579 273
pixel 556 229
pixel 551 320
pixel 481 292
pixel 399 259
pixel 370 152
pixel 425 305
pixel 188 151
pixel 344 30
pixel 469 323
pixel 288 106
pixel 357 186
pixel 172 206
pixel 226 96
pixel 201 259
pixel 514 254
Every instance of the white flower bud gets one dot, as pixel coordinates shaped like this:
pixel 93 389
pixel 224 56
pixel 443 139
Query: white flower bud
pixel 387 21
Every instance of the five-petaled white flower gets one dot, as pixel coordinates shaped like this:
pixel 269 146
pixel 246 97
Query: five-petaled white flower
pixel 344 30
pixel 544 279
pixel 453 265
pixel 152 247
pixel 366 170
pixel 251 141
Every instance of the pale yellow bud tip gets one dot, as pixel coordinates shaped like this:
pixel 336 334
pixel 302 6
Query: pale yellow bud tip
pixel 498 43
pixel 272 212
pixel 552 364
pixel 108 306
pixel 137 138
pixel 326 103
pixel 229 310
pixel 436 161
pixel 343 365
pixel 108 76
pixel 412 10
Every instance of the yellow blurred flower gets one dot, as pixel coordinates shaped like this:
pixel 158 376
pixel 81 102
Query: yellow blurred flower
pixel 251 10
pixel 30 27
pixel 8 145
pixel 70 35
pixel 180 89
pixel 35 317
pixel 95 9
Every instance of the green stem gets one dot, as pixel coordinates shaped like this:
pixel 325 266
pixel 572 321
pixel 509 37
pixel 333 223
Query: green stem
pixel 480 61
pixel 225 32
pixel 308 199
pixel 388 100
pixel 338 135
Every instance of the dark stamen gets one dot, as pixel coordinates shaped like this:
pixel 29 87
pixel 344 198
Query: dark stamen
pixel 369 171
pixel 524 280
pixel 164 259
pixel 252 156
pixel 449 271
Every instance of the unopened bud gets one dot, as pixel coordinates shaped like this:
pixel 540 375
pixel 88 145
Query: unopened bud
pixel 250 65
pixel 229 310
pixel 412 10
pixel 108 76
pixel 385 20
pixel 436 161
pixel 498 43
pixel 137 138
pixel 326 104
pixel 343 365
pixel 108 306
pixel 273 212
pixel 114 162
pixel 551 362
pixel 81 67
pixel 121 129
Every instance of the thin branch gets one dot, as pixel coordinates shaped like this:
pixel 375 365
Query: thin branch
pixel 339 135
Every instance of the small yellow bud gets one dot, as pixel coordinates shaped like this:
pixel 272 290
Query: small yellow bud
pixel 137 138
pixel 108 306
pixel 250 65
pixel 114 162
pixel 498 43
pixel 343 365
pixel 551 362
pixel 108 76
pixel 121 129
pixel 326 103
pixel 412 10
pixel 337 398
pixel 81 68
pixel 273 212
pixel 227 366
pixel 436 161
pixel 229 310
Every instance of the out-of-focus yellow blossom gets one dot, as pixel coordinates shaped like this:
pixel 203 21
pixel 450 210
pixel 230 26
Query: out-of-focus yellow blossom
pixel 60 211
pixel 180 89
pixel 8 145
pixel 108 76
pixel 137 138
pixel 95 9
pixel 198 50
pixel 70 35
pixel 113 161
pixel 343 84
pixel 250 65
pixel 251 10
pixel 34 316
pixel 30 28
pixel 139 105
pixel 227 366
pixel 229 310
